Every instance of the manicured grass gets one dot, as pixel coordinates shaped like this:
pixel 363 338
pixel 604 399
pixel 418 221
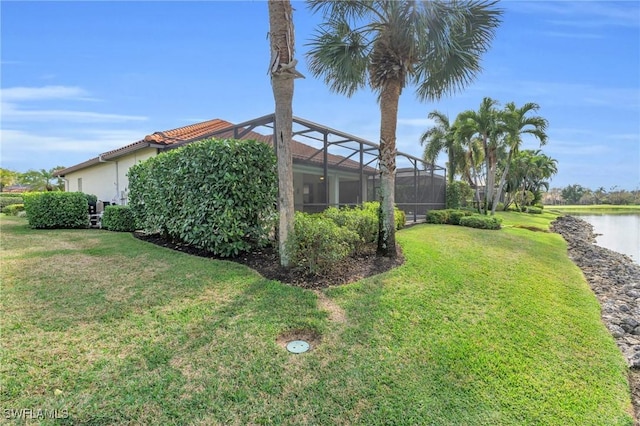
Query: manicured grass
pixel 594 209
pixel 476 328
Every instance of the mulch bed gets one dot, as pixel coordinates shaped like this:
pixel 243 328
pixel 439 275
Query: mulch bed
pixel 266 262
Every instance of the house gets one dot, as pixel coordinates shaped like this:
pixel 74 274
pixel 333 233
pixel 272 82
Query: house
pixel 331 168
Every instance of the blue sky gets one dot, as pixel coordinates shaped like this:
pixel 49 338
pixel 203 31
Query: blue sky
pixel 82 78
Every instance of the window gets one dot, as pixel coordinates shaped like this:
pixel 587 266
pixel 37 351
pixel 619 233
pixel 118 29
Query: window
pixel 79 184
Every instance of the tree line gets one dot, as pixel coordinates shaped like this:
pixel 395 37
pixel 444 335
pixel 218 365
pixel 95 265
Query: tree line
pixel 578 194
pixel 32 180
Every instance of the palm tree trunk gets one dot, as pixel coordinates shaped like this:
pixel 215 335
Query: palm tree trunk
pixel 283 72
pixel 503 178
pixel 487 181
pixel 389 98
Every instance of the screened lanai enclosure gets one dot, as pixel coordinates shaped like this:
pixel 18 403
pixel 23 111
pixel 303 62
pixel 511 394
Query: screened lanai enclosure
pixel 333 168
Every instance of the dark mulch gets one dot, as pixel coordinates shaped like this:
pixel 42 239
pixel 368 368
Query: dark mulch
pixel 266 262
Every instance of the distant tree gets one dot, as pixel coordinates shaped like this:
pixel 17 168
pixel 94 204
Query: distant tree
pixel 529 173
pixel 8 178
pixel 386 45
pixel 42 180
pixel 573 193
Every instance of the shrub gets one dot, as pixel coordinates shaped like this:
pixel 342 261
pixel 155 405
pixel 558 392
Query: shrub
pixel 534 210
pixel 7 201
pixel 118 218
pixel 457 194
pixel 399 215
pixel 437 216
pixel 319 243
pixel 217 195
pixel 13 209
pixel 363 222
pixel 481 222
pixel 456 215
pixel 91 199
pixel 56 209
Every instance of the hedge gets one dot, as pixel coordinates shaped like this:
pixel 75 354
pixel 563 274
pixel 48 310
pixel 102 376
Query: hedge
pixel 13 209
pixel 118 218
pixel 9 200
pixel 481 222
pixel 399 215
pixel 56 210
pixel 217 195
pixel 318 243
pixel 463 218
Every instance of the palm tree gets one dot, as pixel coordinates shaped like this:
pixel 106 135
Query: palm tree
pixel 442 137
pixel 484 125
pixel 529 171
pixel 386 45
pixel 515 123
pixel 283 71
pixel 42 180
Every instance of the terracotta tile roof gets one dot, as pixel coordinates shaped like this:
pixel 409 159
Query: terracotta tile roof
pixel 301 153
pixel 189 133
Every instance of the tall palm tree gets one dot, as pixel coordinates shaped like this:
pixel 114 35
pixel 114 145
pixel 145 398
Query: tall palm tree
pixel 283 71
pixel 515 123
pixel 386 45
pixel 484 125
pixel 442 137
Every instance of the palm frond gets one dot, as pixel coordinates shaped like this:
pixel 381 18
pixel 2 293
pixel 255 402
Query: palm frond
pixel 457 34
pixel 339 55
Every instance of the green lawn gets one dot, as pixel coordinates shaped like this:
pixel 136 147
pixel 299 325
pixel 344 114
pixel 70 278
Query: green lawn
pixel 595 209
pixel 476 328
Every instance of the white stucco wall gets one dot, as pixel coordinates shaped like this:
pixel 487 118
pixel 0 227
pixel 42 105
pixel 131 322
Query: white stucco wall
pixel 107 180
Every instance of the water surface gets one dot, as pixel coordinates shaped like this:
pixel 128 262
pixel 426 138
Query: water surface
pixel 617 232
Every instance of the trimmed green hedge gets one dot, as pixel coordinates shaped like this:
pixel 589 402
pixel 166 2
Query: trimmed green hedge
pixel 13 209
pixel 481 222
pixel 118 218
pixel 50 210
pixel 463 218
pixel 217 195
pixel 438 217
pixel 9 200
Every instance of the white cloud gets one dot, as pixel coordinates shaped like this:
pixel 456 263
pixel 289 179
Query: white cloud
pixel 566 94
pixel 585 14
pixel 583 148
pixel 11 113
pixel 14 94
pixel 92 142
pixel 14 98
pixel 572 35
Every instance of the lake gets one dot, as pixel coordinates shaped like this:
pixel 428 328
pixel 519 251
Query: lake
pixel 617 232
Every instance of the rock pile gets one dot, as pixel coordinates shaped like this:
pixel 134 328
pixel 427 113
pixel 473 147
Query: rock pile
pixel 613 277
